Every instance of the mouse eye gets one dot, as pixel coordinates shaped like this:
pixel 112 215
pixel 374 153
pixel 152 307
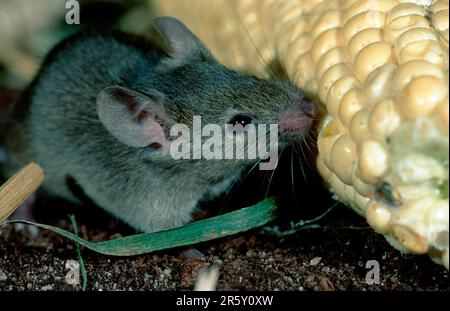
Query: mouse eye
pixel 242 119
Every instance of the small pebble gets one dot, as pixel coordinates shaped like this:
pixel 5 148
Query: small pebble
pixel 3 276
pixel 47 287
pixel 315 261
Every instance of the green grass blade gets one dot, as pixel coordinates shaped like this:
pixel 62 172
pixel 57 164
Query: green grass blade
pixel 80 259
pixel 204 230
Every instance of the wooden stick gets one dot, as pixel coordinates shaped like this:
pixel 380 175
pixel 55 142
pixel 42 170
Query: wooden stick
pixel 19 188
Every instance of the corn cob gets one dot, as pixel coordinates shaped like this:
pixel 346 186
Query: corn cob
pixel 380 67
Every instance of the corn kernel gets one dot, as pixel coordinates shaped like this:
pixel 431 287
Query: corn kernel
pixel 332 57
pixel 398 26
pixel 384 119
pixel 373 162
pixel 378 217
pixel 351 103
pixel 326 41
pixel 405 9
pixel 410 240
pixel 414 35
pixel 330 76
pixel 422 95
pixel 412 69
pixel 372 57
pixel 331 19
pixel 343 153
pixel 378 83
pixel 364 20
pixel 359 126
pixel 337 92
pixel 430 51
pixel 363 39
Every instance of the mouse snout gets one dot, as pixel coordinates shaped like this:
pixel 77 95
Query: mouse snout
pixel 296 122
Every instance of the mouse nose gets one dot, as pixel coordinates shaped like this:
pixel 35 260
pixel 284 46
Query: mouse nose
pixel 297 121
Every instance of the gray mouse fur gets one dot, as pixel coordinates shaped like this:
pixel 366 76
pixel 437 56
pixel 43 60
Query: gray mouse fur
pixel 100 110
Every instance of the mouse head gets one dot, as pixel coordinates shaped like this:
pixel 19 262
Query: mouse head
pixel 189 82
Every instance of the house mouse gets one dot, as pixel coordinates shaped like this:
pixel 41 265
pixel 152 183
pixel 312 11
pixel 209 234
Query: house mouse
pixel 100 111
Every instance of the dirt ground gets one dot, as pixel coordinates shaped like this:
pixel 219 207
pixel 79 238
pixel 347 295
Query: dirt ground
pixel 324 258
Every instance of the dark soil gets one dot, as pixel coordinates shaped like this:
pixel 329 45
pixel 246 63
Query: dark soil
pixel 323 258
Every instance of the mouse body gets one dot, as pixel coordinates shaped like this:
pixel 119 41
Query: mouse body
pixel 100 112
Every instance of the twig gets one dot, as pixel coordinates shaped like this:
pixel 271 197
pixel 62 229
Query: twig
pixel 19 188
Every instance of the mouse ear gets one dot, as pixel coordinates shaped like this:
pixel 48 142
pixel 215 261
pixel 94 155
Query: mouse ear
pixel 133 118
pixel 183 44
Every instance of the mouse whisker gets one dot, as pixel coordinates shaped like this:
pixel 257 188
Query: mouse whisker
pixel 306 160
pixel 301 165
pixel 227 195
pixel 252 168
pixel 271 175
pixel 310 139
pixel 307 146
pixel 260 56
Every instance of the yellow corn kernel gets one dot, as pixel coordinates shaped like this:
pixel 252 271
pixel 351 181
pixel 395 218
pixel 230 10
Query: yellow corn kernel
pixel 342 153
pixel 363 39
pixel 422 95
pixel 373 161
pixel 384 119
pixel 352 102
pixel 378 217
